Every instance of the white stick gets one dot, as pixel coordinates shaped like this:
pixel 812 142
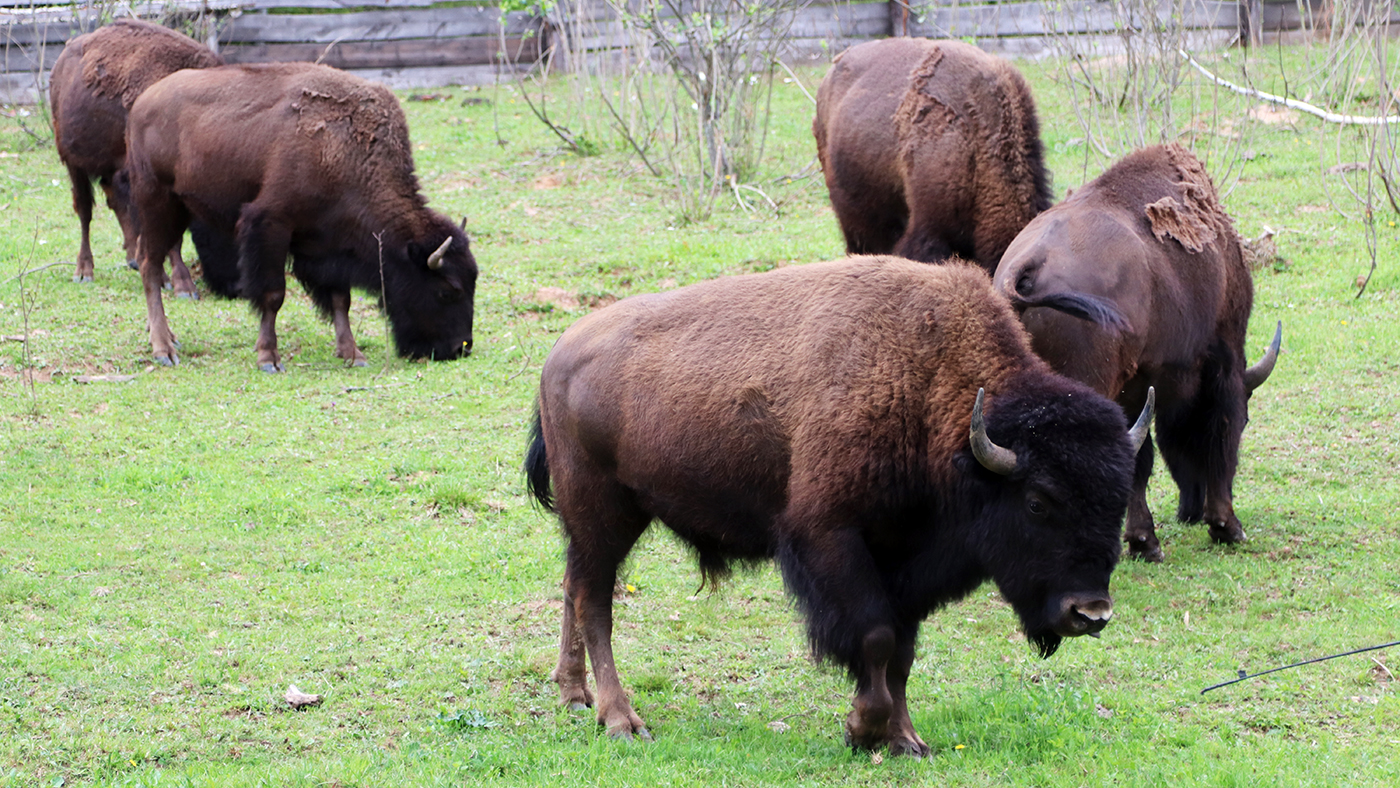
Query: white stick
pixel 1330 117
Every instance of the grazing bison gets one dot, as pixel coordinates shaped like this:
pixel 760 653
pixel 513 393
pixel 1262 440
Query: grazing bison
pixel 301 160
pixel 1149 235
pixel 930 149
pixel 95 80
pixel 820 415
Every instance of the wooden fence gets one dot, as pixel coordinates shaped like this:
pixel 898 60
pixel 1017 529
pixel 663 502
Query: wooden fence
pixel 425 43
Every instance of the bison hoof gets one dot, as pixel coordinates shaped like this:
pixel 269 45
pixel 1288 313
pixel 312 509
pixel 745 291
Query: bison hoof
pixel 577 705
pixel 168 361
pixel 628 733
pixel 357 362
pixel 83 279
pixel 1227 533
pixel 272 368
pixel 910 747
pixel 191 295
pixel 1145 549
pixel 134 265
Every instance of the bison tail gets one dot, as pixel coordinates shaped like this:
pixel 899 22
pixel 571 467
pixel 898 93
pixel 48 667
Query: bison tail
pixel 537 466
pixel 1099 311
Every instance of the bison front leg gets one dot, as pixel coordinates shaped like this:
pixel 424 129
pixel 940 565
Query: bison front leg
pixel 1141 530
pixel 180 276
pixel 345 346
pixel 849 618
pixel 903 739
pixel 163 230
pixel 263 243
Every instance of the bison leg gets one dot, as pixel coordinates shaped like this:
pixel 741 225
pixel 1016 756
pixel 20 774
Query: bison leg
pixel 180 276
pixel 263 244
pixel 571 674
pixel 82 205
pixel 601 532
pixel 903 739
pixel 345 346
pixel 1141 531
pixel 1200 445
pixel 836 581
pixel 868 724
pixel 154 246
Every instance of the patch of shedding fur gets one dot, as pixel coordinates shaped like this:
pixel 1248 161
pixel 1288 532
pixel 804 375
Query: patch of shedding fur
pixel 123 59
pixel 1198 220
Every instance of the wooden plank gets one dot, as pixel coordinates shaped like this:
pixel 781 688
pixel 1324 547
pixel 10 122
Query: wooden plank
pixel 478 50
pixel 372 25
pixel 438 76
pixel 1036 18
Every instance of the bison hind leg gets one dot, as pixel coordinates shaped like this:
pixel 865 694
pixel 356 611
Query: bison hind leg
pixel 602 531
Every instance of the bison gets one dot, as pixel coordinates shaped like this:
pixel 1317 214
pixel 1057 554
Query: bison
pixel 831 417
pixel 930 149
pixel 1150 236
pixel 95 80
pixel 302 160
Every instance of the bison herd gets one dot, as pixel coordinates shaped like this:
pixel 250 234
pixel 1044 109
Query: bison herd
pixel 949 405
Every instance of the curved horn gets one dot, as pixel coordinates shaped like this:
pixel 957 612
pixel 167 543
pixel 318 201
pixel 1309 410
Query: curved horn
pixel 1138 433
pixel 1255 376
pixel 994 458
pixel 435 259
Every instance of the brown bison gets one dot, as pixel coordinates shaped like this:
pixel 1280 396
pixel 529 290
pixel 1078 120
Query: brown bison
pixel 930 149
pixel 95 80
pixel 1150 236
pixel 301 160
pixel 830 416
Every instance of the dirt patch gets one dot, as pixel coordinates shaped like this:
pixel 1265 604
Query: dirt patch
pixel 1273 115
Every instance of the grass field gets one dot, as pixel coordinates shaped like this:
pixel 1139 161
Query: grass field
pixel 178 549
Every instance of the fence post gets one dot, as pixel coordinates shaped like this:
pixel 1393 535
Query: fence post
pixel 1251 15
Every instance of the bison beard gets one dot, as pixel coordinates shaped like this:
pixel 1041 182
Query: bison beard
pixel 829 417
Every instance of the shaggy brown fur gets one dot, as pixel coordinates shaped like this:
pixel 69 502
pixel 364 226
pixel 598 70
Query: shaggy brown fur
pixel 95 80
pixel 1150 236
pixel 930 149
pixel 313 163
pixel 819 415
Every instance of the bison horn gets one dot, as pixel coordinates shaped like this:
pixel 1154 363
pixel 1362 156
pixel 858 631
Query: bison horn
pixel 1255 376
pixel 994 458
pixel 1138 433
pixel 435 259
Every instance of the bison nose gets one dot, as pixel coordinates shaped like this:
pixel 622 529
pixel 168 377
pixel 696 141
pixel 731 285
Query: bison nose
pixel 1084 617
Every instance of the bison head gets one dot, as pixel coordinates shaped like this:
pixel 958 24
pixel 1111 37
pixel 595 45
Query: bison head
pixel 429 297
pixel 1057 460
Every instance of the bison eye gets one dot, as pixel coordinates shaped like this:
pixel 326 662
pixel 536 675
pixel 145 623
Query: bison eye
pixel 1037 507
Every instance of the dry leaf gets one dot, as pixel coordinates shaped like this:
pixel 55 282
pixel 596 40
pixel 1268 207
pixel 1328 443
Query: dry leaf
pixel 104 378
pixel 101 591
pixel 298 699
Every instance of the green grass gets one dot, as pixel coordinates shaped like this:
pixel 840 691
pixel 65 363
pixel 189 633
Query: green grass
pixel 176 550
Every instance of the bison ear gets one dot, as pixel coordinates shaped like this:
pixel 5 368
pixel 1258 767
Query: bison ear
pixel 1189 227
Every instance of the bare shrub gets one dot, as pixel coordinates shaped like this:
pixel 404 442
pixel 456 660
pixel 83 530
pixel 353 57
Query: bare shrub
pixel 684 84
pixel 1132 87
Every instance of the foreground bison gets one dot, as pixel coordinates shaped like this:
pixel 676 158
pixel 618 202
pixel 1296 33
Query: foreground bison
pixel 1149 235
pixel 307 161
pixel 95 80
pixel 820 415
pixel 930 149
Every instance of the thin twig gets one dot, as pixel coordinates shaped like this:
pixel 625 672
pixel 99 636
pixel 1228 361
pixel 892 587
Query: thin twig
pixel 35 271
pixel 1302 106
